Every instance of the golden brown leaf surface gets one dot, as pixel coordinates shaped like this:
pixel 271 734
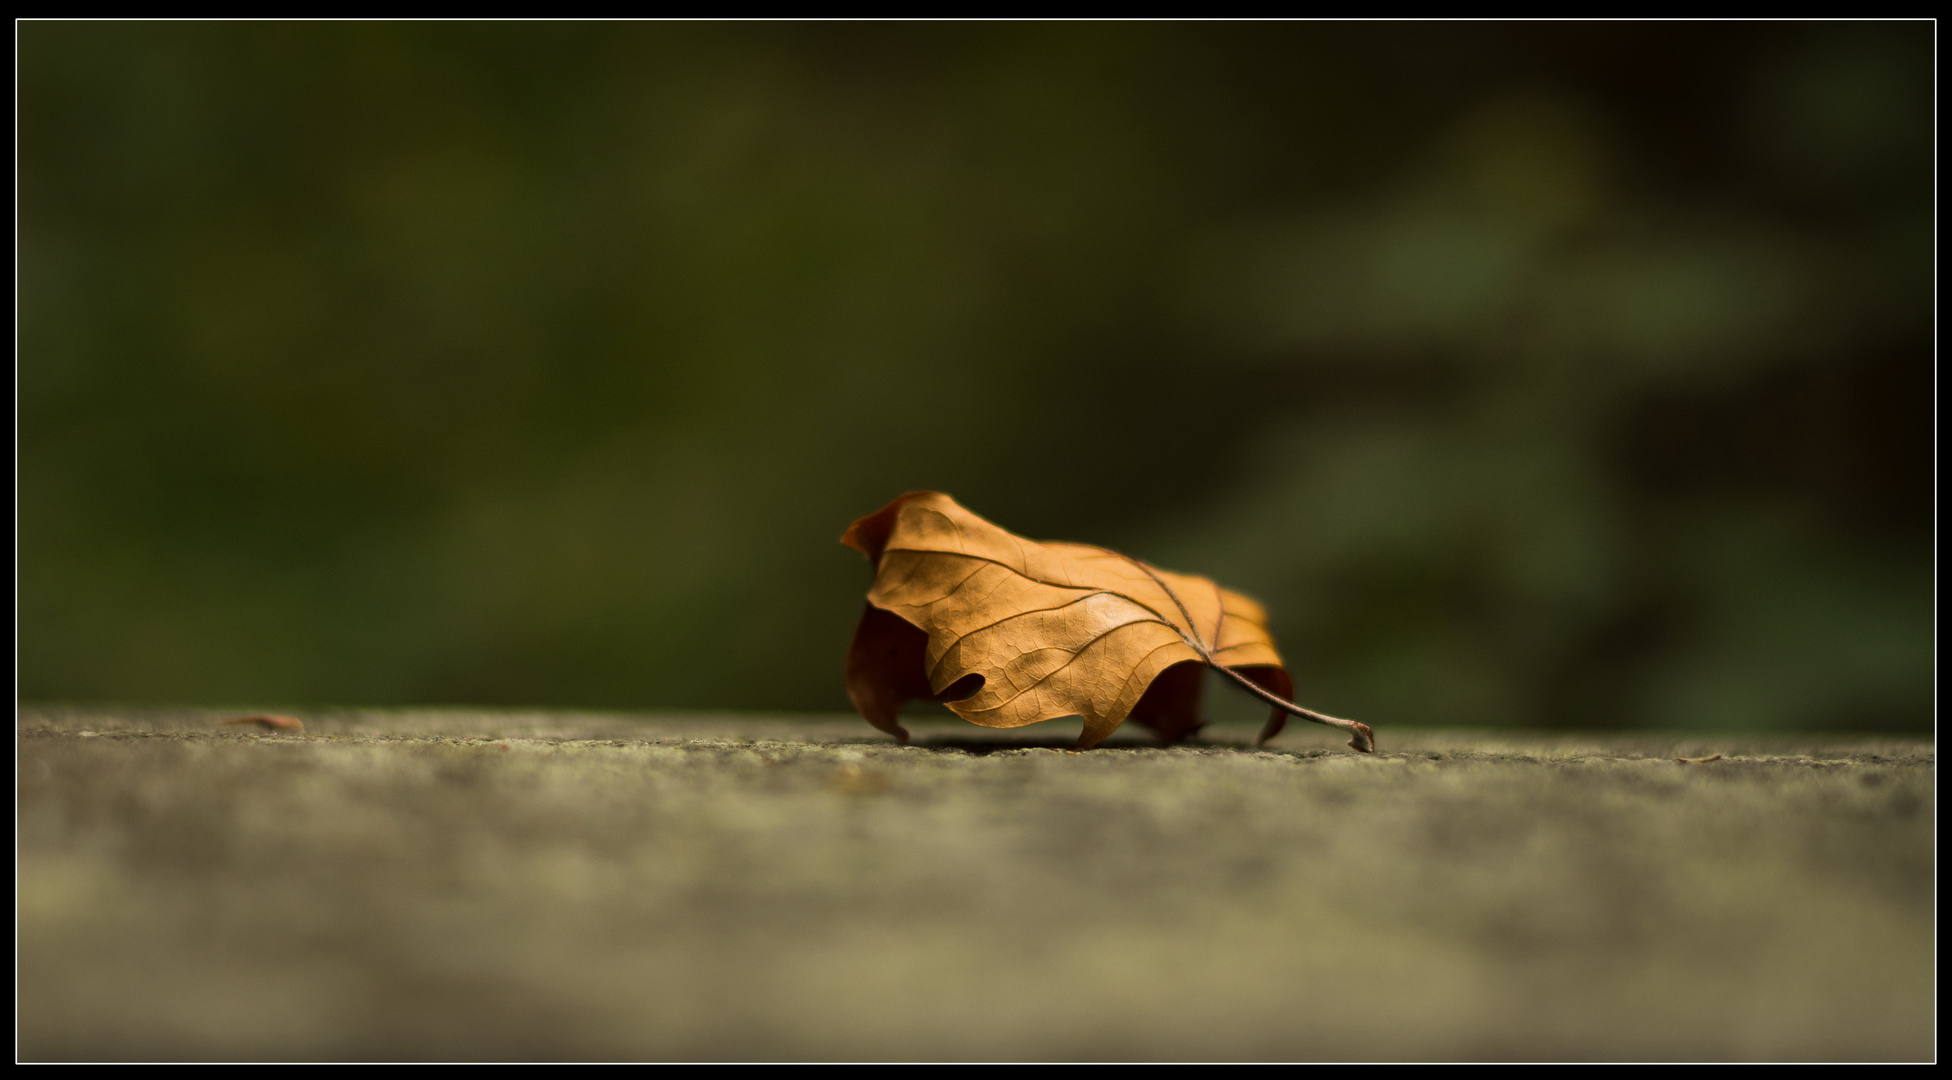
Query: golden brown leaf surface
pixel 1009 632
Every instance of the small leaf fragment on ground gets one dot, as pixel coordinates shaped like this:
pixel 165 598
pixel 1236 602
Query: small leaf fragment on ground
pixel 853 780
pixel 271 723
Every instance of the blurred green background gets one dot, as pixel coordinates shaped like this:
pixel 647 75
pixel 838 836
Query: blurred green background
pixel 1556 374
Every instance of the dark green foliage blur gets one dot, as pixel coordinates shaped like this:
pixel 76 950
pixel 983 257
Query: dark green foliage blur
pixel 1555 374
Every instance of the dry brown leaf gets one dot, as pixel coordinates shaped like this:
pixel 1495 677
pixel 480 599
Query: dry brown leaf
pixel 274 723
pixel 1009 632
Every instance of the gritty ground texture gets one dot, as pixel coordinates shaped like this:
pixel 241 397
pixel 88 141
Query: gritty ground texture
pixel 469 885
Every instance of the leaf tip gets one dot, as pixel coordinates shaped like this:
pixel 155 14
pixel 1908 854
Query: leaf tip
pixel 869 535
pixel 1273 727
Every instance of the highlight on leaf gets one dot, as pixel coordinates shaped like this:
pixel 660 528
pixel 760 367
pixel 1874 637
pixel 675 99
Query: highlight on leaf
pixel 1008 632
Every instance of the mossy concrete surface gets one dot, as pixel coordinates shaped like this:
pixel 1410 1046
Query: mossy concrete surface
pixel 474 885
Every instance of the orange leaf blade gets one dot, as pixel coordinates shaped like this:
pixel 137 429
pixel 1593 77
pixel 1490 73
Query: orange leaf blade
pixel 1027 631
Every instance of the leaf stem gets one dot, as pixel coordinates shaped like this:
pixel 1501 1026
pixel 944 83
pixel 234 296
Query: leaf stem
pixel 1363 739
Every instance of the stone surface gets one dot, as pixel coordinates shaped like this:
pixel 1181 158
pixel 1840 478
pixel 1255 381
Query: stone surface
pixel 470 885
